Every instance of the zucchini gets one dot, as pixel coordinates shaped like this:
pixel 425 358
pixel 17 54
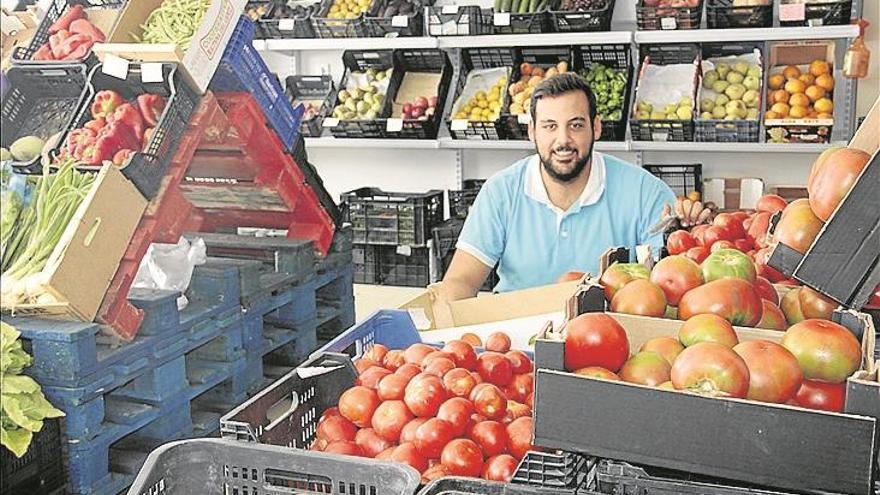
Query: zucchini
pixel 499 5
pixel 505 6
pixel 533 6
pixel 524 7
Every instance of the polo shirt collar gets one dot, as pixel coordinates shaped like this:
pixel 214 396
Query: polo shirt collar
pixel 534 184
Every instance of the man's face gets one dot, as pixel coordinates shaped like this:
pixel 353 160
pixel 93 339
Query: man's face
pixel 563 134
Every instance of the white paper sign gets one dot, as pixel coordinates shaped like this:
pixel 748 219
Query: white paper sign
pixel 523 118
pixel 151 72
pixel 459 124
pixel 331 122
pixel 312 371
pixel 394 125
pixel 449 9
pixel 404 250
pixel 668 23
pixel 115 66
pixel 501 19
pixel 659 136
pixel 792 12
pixel 400 21
pixel 450 28
pixel 286 25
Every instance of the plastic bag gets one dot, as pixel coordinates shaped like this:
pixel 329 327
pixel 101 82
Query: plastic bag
pixel 170 267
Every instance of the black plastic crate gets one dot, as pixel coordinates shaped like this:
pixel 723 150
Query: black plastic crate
pixel 381 24
pixel 22 55
pixel 283 22
pixel 360 61
pixel 458 20
pixel 326 27
pixel 536 23
pixel 453 485
pixel 595 18
pixel 42 100
pixel 664 129
pixel 316 88
pixel 445 237
pixel 727 131
pixel 40 469
pixel 256 11
pixel 668 18
pixel 830 13
pixel 517 126
pixel 314 181
pixel 618 57
pixel 563 472
pixel 146 168
pixel 392 218
pixel 682 179
pixel 460 200
pixel 425 61
pixel 482 58
pixel 401 265
pixel 722 14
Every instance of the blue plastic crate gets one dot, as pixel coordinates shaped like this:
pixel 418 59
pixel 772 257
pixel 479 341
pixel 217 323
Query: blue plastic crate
pixel 243 69
pixel 392 328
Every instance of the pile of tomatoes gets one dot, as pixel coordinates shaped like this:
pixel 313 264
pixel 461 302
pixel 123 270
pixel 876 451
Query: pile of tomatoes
pixel 808 368
pixel 446 411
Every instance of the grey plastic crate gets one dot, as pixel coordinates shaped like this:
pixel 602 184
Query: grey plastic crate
pixel 217 466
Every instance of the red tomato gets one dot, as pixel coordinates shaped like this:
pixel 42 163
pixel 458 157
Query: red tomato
pixel 515 410
pixel 730 298
pixel 874 301
pixel 463 458
pixel 424 394
pixel 435 472
pixel 336 428
pixel 774 373
pixel 740 215
pixel 620 274
pixel 357 405
pixel 519 361
pixel 668 347
pixel 714 234
pixel 595 339
pixel 646 368
pixel 530 399
pixel 640 297
pixel 491 436
pixel 676 275
pixel 408 371
pixel 462 353
pixel 698 254
pixel 498 342
pixel 385 455
pixel 370 442
pixel 770 203
pixel 763 270
pixel 392 387
pixel 519 437
pixel 435 355
pixel 393 360
pixel 832 180
pixel 721 245
pixel 329 413
pixel 816 305
pixel 707 327
pixel 457 411
pixel 459 382
pixel 440 366
pixel 344 448
pixel 432 436
pixel 821 395
pixel 408 433
pixel 472 339
pixel 731 224
pixel 772 318
pixel 766 290
pixel 728 263
pixel 495 368
pixel 371 377
pixel 407 453
pixel 489 400
pixel 416 353
pixel 679 242
pixel 500 468
pixel 390 418
pixel 362 365
pixel 698 234
pixel 826 351
pixel 758 228
pixel 597 372
pixel 521 386
pixel 744 245
pixel 798 226
pixel 376 353
pixel 473 421
pixel 791 306
pixel 710 368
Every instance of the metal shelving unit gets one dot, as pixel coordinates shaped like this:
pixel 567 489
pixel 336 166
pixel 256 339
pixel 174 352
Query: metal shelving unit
pixel 747 34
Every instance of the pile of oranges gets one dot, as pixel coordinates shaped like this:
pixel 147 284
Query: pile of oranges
pixel 796 95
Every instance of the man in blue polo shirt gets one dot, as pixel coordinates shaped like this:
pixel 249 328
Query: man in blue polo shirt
pixel 560 209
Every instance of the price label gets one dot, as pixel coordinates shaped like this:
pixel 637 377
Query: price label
pixel 286 25
pixel 331 122
pixel 459 124
pixel 151 72
pixel 449 9
pixel 792 12
pixel 400 21
pixel 394 125
pixel 668 23
pixel 450 28
pixel 115 66
pixel 404 250
pixel 659 136
pixel 501 19
pixel 524 118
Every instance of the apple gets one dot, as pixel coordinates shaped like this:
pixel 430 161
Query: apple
pixel 421 102
pixel 432 101
pixel 417 112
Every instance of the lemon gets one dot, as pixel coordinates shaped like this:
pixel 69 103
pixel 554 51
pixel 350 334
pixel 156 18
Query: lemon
pixel 481 95
pixel 461 116
pixel 483 104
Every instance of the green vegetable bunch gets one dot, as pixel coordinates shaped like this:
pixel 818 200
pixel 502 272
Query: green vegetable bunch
pixel 609 86
pixel 23 407
pixel 175 22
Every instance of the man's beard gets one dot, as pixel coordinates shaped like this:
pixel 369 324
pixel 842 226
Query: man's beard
pixel 565 177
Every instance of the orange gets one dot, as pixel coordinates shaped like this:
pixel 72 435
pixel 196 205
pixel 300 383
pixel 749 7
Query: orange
pixel 791 72
pixel 814 92
pixel 780 96
pixel 771 115
pixel 807 79
pixel 798 112
pixel 824 116
pixel 780 108
pixel 819 67
pixel 776 81
pixel 799 100
pixel 795 86
pixel 823 105
pixel 825 81
pixel 812 115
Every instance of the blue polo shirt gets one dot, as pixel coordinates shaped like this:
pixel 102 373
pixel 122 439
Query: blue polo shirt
pixel 513 224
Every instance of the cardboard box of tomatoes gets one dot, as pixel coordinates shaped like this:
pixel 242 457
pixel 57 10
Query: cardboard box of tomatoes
pixel 703 420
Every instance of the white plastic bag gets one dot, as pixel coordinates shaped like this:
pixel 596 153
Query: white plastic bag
pixel 170 267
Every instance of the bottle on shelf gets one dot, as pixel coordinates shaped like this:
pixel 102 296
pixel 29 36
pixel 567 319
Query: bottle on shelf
pixel 858 57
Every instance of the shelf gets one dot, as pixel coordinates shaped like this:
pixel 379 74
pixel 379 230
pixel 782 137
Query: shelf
pixel 463 144
pixel 329 142
pixel 747 34
pixel 545 39
pixel 732 147
pixel 340 44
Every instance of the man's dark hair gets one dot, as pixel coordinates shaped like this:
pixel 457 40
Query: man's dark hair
pixel 560 84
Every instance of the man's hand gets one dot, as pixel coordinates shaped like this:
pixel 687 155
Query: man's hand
pixel 688 212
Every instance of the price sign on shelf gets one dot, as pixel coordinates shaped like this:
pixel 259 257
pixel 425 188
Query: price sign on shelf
pixel 459 124
pixel 449 9
pixel 524 118
pixel 394 125
pixel 286 25
pixel 331 122
pixel 151 72
pixel 668 23
pixel 501 19
pixel 115 66
pixel 400 21
pixel 792 12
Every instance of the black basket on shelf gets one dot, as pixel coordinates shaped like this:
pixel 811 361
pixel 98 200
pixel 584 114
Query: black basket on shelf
pixel 313 88
pixel 723 14
pixel 281 23
pixel 40 469
pixel 517 125
pixel 668 18
pixel 824 13
pixel 458 20
pixel 41 101
pixel 663 129
pixel 382 24
pixel 326 27
pixel 256 11
pixel 445 237
pixel 681 178
pixel 361 61
pixel 461 200
pixel 618 57
pixel 595 17
pixel 392 218
pixel 523 23
pixel 417 60
pixel 728 131
pixel 392 265
pixel 474 59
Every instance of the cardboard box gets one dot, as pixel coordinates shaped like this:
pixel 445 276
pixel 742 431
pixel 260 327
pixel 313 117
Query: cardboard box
pixel 790 193
pixel 86 258
pixel 199 60
pixel 775 445
pixel 733 194
pixel 413 85
pixel 18 28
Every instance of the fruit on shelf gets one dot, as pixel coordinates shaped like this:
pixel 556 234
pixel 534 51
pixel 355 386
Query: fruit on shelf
pixel 609 86
pixel 529 78
pixel 682 110
pixel 362 102
pixel 421 108
pixel 348 9
pixel 483 106
pixel 801 94
pixel 731 91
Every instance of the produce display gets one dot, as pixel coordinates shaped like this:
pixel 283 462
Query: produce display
pixel 682 110
pixel 70 37
pixel 444 412
pixel 23 149
pixel 529 78
pixel 487 97
pixel 175 22
pixel 392 8
pixel 421 108
pixel 801 93
pixel 609 86
pixel 521 6
pixel 731 90
pixel 667 6
pixel 364 97
pixel 257 12
pixel 348 9
pixel 23 407
pixel 582 5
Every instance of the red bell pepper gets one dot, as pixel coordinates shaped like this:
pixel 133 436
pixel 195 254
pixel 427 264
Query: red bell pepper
pixel 96 124
pixel 122 156
pixel 80 138
pixel 81 51
pixel 71 44
pixel 105 103
pixel 43 53
pixel 113 137
pixel 83 26
pixel 129 114
pixel 56 40
pixel 73 13
pixel 151 107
